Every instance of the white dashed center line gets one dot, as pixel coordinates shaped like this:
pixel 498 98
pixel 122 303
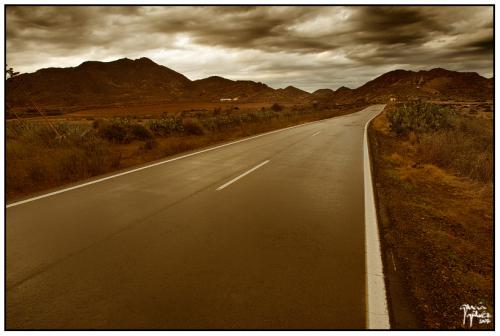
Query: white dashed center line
pixel 242 175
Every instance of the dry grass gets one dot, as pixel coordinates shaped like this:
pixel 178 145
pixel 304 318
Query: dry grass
pixel 467 150
pixel 36 160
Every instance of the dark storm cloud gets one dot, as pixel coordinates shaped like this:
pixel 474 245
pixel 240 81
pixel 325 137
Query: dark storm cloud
pixel 483 44
pixel 396 25
pixel 65 27
pixel 309 47
pixel 264 28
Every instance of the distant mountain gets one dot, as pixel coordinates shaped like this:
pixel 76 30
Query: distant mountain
pixel 126 81
pixel 340 96
pixel 133 81
pixel 97 83
pixel 322 93
pixel 291 92
pixel 215 88
pixel 436 83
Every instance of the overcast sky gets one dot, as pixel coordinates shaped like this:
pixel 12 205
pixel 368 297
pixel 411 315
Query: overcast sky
pixel 308 47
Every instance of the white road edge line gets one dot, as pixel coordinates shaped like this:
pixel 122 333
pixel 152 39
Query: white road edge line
pixel 159 163
pixel 318 132
pixel 377 311
pixel 242 175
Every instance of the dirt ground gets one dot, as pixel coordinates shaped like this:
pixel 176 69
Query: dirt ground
pixel 437 231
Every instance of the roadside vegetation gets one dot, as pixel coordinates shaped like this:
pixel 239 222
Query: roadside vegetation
pixel 38 159
pixel 434 170
pixel 447 139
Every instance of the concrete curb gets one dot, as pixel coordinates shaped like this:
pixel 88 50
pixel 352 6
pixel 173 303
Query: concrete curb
pixel 377 314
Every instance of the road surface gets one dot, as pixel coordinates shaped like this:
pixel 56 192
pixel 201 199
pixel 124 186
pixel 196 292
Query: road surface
pixel 261 234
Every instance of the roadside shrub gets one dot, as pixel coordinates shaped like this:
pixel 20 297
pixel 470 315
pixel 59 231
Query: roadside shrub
pixel 121 130
pixel 140 132
pixel 419 117
pixel 192 127
pixel 227 120
pixel 253 116
pixel 114 132
pixel 165 126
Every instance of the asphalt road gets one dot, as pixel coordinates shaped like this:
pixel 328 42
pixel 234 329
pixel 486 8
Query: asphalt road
pixel 261 234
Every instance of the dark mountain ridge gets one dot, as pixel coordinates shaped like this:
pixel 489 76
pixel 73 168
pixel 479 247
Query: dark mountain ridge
pixel 127 81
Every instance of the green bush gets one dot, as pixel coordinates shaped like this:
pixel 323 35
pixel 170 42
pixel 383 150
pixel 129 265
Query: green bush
pixel 121 130
pixel 165 126
pixel 419 117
